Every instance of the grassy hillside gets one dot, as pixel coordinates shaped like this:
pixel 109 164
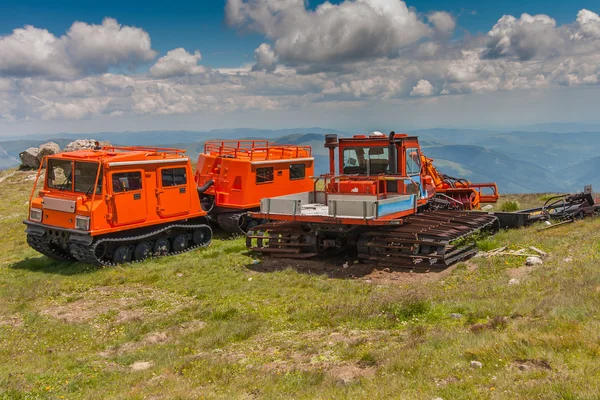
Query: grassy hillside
pixel 217 323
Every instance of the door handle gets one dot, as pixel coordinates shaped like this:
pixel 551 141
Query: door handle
pixel 137 196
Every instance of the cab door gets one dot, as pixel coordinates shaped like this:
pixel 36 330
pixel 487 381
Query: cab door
pixel 128 200
pixel 172 193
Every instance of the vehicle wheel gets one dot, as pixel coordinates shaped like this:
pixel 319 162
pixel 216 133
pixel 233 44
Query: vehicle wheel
pixel 202 236
pixel 122 255
pixel 162 247
pixel 142 251
pixel 207 203
pixel 180 243
pixel 101 251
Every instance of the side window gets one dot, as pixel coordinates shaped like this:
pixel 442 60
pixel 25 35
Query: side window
pixel 264 175
pixel 173 177
pixel 126 181
pixel 413 161
pixel 297 171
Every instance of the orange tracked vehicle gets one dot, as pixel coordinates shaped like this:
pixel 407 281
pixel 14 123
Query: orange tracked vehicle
pixel 388 204
pixel 114 205
pixel 234 175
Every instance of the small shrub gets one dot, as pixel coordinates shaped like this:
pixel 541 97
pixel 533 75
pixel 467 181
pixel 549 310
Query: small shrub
pixel 367 359
pixel 510 206
pixel 408 310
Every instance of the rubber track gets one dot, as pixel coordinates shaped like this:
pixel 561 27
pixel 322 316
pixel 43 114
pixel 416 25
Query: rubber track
pixel 437 230
pixel 41 245
pixel 400 246
pixel 87 254
pixel 229 222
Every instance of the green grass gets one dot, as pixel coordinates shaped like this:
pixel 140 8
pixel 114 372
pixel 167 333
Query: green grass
pixel 210 326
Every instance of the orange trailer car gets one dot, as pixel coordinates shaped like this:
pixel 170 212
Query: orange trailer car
pixel 117 204
pixel 234 175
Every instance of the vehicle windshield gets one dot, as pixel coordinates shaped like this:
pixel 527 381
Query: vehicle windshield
pixel 366 160
pixel 60 176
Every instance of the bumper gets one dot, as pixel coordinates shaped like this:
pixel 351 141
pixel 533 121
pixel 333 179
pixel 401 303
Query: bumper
pixel 72 235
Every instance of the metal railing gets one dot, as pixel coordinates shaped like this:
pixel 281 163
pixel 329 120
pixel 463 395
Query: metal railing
pixel 255 149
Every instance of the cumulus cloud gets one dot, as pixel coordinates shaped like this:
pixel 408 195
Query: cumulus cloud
pixel 525 38
pixel 327 56
pixel 422 88
pixel 539 37
pixel 177 62
pixel 266 59
pixel 587 25
pixel 351 30
pixel 85 48
pixel 443 23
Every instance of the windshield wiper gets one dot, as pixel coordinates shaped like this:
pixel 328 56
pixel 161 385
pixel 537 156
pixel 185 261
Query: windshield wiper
pixel 63 186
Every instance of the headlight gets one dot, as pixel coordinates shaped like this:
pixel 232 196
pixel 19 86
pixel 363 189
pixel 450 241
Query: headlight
pixel 82 223
pixel 35 214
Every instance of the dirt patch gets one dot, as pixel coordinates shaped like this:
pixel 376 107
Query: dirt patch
pixel 534 363
pixel 494 324
pixel 113 305
pixel 341 268
pixel 141 365
pixel 519 273
pixel 153 338
pixel 13 321
pixel 320 350
pixel 347 373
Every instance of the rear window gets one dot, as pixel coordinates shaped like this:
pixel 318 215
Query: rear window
pixel 173 177
pixel 264 175
pixel 297 171
pixel 126 181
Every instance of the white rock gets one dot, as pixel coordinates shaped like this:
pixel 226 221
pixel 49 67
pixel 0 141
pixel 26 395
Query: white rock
pixel 47 149
pixel 489 207
pixel 530 261
pixel 456 316
pixel 83 144
pixel 476 364
pixel 513 281
pixel 141 365
pixel 29 158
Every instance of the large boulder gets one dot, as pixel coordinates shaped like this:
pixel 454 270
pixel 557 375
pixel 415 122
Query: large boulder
pixel 29 158
pixel 47 149
pixel 84 144
pixel 80 144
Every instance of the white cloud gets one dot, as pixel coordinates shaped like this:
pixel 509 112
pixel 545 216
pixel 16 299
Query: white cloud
pixel 443 23
pixel 177 62
pixel 351 30
pixel 266 59
pixel 85 48
pixel 587 25
pixel 526 37
pixel 423 88
pixel 525 53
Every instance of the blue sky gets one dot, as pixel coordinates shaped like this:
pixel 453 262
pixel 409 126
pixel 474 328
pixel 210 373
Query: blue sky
pixel 200 24
pixel 132 65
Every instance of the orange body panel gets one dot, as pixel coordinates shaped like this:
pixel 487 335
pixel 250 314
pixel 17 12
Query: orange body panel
pixel 137 188
pixel 246 171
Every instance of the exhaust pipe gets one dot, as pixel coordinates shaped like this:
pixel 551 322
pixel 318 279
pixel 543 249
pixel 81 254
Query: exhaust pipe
pixel 393 156
pixel 205 187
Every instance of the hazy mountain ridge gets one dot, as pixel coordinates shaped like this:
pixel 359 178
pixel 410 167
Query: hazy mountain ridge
pixel 519 161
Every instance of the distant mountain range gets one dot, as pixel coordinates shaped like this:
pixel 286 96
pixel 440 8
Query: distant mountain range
pixel 520 162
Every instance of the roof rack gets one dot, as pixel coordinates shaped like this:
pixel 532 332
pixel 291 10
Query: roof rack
pixel 157 150
pixel 255 150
